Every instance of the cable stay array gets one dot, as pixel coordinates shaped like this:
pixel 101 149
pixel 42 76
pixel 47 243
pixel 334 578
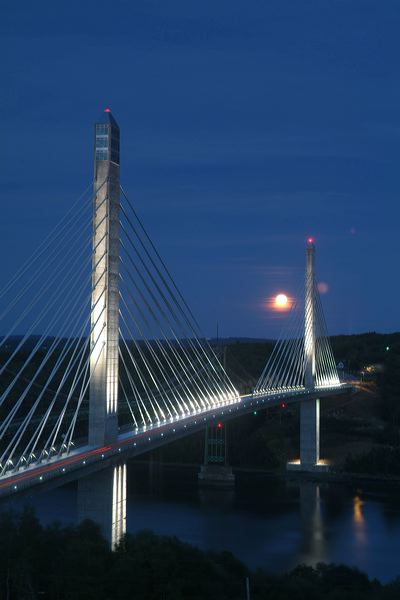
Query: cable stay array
pixel 286 368
pixel 45 311
pixel 167 370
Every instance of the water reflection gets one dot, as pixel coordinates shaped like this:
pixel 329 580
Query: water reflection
pixel 222 499
pixel 359 521
pixel 264 522
pixel 155 476
pixel 313 542
pixel 102 498
pixel 357 512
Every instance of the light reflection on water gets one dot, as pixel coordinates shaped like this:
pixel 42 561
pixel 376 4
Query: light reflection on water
pixel 266 523
pixel 359 524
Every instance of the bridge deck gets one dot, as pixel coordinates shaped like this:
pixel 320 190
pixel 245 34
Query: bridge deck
pixel 83 460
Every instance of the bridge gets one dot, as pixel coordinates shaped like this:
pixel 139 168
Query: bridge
pixel 103 359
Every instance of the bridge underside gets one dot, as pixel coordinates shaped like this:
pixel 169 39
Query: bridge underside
pixel 82 461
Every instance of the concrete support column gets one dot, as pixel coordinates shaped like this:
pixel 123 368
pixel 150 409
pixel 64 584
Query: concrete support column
pixel 215 447
pixel 309 432
pixel 216 471
pixel 102 499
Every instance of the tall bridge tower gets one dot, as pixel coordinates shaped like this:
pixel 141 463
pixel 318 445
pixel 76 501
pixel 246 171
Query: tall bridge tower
pixel 103 403
pixel 102 495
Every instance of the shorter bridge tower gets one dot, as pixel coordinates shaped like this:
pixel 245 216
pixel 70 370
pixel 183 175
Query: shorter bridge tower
pixel 310 409
pixel 302 364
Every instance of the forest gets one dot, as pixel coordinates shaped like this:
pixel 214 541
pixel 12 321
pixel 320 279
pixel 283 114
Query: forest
pixel 76 563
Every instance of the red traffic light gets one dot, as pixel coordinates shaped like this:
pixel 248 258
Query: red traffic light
pixel 219 425
pixel 283 405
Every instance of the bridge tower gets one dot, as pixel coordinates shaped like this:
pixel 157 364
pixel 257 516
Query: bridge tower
pixel 102 495
pixel 309 409
pixel 103 403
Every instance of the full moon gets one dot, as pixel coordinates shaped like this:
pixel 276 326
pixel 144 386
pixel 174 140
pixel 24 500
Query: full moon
pixel 281 300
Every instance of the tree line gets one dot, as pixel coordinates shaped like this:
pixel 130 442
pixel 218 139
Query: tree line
pixel 76 563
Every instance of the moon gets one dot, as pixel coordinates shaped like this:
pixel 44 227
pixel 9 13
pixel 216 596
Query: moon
pixel 281 301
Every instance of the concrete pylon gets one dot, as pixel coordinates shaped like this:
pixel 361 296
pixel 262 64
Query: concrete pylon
pixel 103 403
pixel 309 409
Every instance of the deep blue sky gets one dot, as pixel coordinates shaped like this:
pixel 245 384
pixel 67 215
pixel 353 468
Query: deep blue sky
pixel 245 127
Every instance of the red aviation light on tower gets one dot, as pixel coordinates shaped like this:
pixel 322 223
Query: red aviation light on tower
pixel 107 109
pixel 310 241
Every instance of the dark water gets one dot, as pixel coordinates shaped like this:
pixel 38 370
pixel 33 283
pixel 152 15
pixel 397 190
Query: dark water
pixel 266 523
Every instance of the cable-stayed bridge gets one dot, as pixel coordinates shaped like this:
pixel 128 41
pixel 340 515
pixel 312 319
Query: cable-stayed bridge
pixel 102 358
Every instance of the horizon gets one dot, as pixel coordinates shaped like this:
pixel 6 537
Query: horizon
pixel 215 338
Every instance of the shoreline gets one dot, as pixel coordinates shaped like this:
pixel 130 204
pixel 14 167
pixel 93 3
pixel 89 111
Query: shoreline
pixel 285 475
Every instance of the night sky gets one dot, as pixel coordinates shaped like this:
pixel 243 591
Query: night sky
pixel 245 127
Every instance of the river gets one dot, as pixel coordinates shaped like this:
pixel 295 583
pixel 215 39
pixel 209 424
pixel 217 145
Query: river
pixel 269 523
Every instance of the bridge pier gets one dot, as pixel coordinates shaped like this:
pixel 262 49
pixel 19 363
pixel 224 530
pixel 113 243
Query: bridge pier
pixel 102 499
pixel 216 472
pixel 309 439
pixel 309 433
